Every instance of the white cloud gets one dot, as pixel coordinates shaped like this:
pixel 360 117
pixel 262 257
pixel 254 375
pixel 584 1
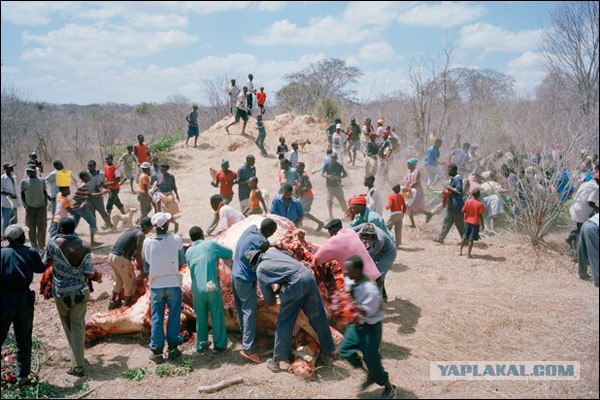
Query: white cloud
pixel 492 38
pixel 375 52
pixel 444 15
pixel 359 21
pixel 271 5
pixel 32 13
pixel 528 71
pixel 91 48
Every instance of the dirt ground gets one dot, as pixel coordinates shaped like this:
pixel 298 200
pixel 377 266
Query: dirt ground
pixel 508 304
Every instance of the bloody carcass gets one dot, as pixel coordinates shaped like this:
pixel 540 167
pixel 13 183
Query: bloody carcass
pixel 288 237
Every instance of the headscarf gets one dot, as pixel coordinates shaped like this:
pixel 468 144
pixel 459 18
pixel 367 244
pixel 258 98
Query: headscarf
pixel 412 162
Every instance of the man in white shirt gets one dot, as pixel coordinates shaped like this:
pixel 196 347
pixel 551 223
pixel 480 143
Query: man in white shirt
pixel 374 199
pixel 251 92
pixel 163 256
pixel 585 202
pixel 9 196
pixel 226 214
pixel 232 91
pixel 241 111
pixel 588 249
pixel 292 155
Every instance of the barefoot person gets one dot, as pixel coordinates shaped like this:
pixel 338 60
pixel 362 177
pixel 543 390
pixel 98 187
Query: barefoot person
pixel 241 111
pixel 473 210
pixel 193 131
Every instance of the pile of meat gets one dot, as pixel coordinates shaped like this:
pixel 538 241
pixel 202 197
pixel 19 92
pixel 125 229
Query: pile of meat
pixel 329 276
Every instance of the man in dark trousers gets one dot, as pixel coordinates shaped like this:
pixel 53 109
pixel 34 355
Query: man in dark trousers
pixel 19 262
pixel 454 214
pixel 279 273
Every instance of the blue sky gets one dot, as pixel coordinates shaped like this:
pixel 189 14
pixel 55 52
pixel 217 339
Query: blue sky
pixel 129 52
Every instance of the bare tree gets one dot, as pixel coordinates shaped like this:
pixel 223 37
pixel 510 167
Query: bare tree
pixel 572 50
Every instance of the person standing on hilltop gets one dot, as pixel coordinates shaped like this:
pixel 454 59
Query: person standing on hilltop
pixel 192 120
pixel 241 111
pixel 140 149
pixel 262 134
pixel 232 91
pixel 261 97
pixel 128 161
pixel 251 91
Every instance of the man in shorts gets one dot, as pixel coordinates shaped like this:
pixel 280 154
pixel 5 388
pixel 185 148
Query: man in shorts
pixel 193 131
pixel 241 111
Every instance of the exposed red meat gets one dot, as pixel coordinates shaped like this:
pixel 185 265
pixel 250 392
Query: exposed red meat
pixel 289 238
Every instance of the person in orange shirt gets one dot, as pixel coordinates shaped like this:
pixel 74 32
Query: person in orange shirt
pixel 142 154
pixel 261 98
pixel 143 195
pixel 473 210
pixel 256 199
pixel 63 204
pixel 397 206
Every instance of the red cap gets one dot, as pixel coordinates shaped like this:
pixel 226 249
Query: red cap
pixel 360 199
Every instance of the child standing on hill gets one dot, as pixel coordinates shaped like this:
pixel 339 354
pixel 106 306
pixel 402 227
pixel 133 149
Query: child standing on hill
pixel 473 209
pixel 262 134
pixel 282 149
pixel 397 206
pixel 261 97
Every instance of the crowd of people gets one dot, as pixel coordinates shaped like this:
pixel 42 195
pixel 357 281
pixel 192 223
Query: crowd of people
pixel 475 191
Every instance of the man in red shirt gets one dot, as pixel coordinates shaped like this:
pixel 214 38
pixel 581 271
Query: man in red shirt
pixel 142 154
pixel 473 209
pixel 113 183
pixel 225 179
pixel 261 98
pixel 397 206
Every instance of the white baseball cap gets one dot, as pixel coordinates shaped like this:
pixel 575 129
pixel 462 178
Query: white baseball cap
pixel 160 219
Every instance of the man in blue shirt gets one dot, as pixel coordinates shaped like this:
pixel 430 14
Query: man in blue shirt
pixel 454 214
pixel 434 173
pixel 243 283
pixel 244 173
pixel 287 206
pixel 19 263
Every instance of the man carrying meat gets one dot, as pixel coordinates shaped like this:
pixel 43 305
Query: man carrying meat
pixel 243 283
pixel 279 273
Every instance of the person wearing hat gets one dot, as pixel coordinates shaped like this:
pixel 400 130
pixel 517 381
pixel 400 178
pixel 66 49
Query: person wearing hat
pixel 362 215
pixel 365 335
pixel 412 180
pixel 19 263
pixel 381 248
pixel 72 268
pixel 113 183
pixel 34 196
pixel 333 173
pixel 163 256
pixel 224 180
pixel 338 142
pixel 243 283
pixel 280 274
pixel 9 196
pixel 98 189
pixel 343 243
pixel 144 190
pixel 51 183
pixel 244 173
pixel 287 206
pixel 33 160
pixel 330 130
pixel 202 258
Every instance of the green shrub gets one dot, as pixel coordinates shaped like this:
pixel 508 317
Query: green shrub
pixel 327 109
pixel 164 143
pixel 135 374
pixel 185 367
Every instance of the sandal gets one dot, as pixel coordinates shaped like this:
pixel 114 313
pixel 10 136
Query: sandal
pixel 250 356
pixel 76 371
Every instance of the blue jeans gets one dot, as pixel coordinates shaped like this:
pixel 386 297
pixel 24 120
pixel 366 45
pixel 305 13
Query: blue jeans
pixel 86 214
pixel 244 294
pixel 260 140
pixel 171 297
pixel 249 102
pixel 9 217
pixel 588 250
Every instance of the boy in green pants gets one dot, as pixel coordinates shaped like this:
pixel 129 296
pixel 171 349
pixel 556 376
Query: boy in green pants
pixel 365 335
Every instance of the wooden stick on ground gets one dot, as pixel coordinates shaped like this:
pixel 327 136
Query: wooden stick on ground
pixel 221 385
